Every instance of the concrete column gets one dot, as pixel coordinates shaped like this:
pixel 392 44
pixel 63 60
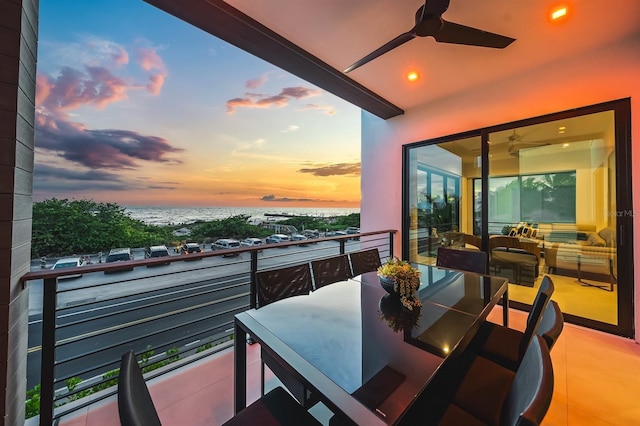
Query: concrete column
pixel 18 49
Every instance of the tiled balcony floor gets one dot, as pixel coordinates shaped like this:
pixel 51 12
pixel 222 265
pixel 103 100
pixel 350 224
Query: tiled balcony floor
pixel 596 383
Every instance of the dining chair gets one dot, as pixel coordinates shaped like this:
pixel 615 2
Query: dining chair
pixel 364 261
pixel 506 346
pixel 462 259
pixel 277 284
pixel 275 408
pixel 492 394
pixel 330 270
pixel 273 285
pixel 135 406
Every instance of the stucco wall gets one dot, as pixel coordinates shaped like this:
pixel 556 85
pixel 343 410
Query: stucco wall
pixel 602 75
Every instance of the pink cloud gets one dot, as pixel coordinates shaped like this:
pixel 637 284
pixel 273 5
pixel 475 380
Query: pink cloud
pixel 326 108
pixel 156 81
pixel 120 56
pixel 150 60
pixel 253 100
pixel 256 82
pixel 73 89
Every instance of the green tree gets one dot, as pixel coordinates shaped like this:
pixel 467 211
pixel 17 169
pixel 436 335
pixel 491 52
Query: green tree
pixel 63 227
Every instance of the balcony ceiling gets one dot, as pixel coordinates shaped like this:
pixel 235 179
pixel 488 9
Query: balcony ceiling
pixel 316 40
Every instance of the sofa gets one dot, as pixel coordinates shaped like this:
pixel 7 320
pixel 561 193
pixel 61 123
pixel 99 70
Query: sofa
pixel 580 251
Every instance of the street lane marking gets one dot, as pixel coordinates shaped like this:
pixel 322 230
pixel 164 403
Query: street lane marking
pixel 139 321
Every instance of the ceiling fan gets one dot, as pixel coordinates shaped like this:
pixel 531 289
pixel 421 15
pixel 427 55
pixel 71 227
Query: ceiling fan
pixel 516 144
pixel 429 22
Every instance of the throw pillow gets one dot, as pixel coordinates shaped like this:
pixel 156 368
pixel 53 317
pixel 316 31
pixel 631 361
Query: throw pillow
pixel 609 236
pixel 595 240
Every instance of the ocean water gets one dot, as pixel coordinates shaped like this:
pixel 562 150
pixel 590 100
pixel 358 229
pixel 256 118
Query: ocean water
pixel 163 216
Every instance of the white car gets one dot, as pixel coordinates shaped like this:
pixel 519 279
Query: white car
pixel 225 244
pixel 277 238
pixel 68 262
pixel 299 237
pixel 251 242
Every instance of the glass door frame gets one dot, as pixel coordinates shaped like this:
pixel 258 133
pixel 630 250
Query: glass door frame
pixel 624 202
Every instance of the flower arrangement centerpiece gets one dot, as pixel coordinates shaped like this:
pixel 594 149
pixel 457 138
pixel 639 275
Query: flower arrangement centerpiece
pixel 396 315
pixel 405 279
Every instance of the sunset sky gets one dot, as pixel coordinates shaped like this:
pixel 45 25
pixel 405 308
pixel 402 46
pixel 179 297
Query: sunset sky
pixel 136 107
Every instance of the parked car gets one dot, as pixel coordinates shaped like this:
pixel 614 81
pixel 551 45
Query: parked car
pixel 189 248
pixel 352 230
pixel 251 242
pixel 157 251
pixel 311 233
pixel 68 262
pixel 119 255
pixel 299 237
pixel 226 244
pixel 277 238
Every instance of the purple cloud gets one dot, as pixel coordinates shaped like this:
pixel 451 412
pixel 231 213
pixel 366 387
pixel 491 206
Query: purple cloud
pixel 110 149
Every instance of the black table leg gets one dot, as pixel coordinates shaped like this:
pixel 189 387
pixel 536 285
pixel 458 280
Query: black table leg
pixel 240 368
pixel 505 307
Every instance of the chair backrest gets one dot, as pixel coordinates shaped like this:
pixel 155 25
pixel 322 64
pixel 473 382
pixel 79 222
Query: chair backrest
pixel 135 406
pixel 276 284
pixel 531 391
pixel 551 324
pixel 462 259
pixel 364 261
pixel 330 270
pixel 535 315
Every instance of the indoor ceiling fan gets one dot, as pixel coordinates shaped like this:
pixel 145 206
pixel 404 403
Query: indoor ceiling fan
pixel 429 22
pixel 516 144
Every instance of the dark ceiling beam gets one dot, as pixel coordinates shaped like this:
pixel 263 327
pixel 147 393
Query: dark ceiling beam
pixel 229 24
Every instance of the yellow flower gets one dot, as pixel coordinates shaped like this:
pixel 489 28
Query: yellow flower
pixel 406 280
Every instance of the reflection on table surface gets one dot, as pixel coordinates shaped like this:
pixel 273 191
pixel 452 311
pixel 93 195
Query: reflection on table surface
pixel 340 331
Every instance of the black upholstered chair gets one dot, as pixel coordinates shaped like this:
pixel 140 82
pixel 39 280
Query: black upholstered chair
pixel 330 270
pixel 507 346
pixel 136 408
pixel 275 408
pixel 493 395
pixel 552 324
pixel 462 259
pixel 277 284
pixel 135 405
pixel 364 261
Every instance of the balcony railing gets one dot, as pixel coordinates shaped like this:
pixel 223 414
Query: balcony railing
pixel 171 311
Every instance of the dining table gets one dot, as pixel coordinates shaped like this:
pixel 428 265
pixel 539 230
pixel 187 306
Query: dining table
pixel 358 350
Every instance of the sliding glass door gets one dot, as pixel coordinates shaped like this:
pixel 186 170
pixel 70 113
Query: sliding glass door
pixel 542 196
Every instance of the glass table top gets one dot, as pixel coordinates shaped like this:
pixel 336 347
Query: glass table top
pixel 354 333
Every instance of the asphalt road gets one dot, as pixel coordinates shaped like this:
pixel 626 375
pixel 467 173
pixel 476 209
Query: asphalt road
pixel 99 315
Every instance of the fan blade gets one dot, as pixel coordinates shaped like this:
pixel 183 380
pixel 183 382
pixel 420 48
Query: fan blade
pixel 401 39
pixel 435 7
pixel 461 34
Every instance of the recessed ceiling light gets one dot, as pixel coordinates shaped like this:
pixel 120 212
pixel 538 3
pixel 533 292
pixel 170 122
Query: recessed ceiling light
pixel 564 145
pixel 558 12
pixel 412 76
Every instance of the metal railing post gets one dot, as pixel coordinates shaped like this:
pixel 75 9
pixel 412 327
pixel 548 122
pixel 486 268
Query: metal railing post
pixel 47 363
pixel 252 283
pixel 342 245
